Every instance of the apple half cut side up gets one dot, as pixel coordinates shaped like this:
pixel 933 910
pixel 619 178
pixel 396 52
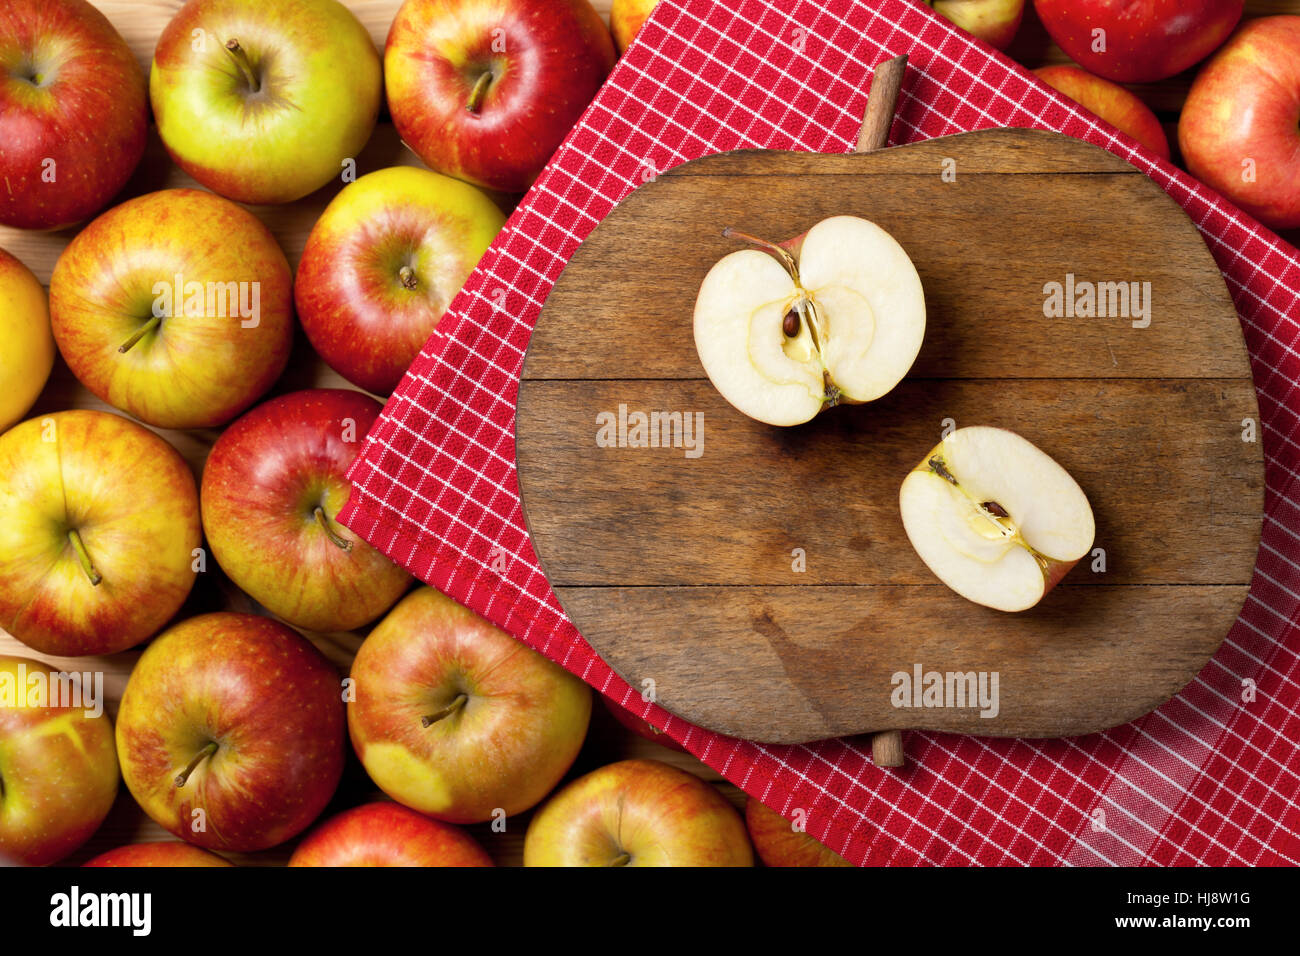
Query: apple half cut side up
pixel 995 518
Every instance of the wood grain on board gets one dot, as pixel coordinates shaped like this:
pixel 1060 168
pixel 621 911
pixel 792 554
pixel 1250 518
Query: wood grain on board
pixel 684 568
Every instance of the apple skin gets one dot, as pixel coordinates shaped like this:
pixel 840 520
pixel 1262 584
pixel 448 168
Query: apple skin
pixel 58 774
pixel 640 727
pixel 551 57
pixel 366 318
pixel 1116 105
pixel 387 834
pixel 626 18
pixel 89 114
pixel 320 90
pixel 1146 40
pixel 1245 104
pixel 518 731
pixel 131 499
pixel 191 371
pixel 157 854
pixel 993 21
pixel 270 704
pixel 637 813
pixel 264 480
pixel 28 356
pixel 779 844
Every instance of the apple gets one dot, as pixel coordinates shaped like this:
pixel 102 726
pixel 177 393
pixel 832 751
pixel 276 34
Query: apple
pixel 73 113
pixel 486 90
pixel 778 843
pixel 1116 105
pixel 99 528
pixel 626 18
pixel 639 726
pixel 455 718
pixel 382 264
pixel 176 306
pixel 834 315
pixel 1240 127
pixel 993 21
pixel 265 102
pixel 230 732
pixel 1138 41
pixel 157 854
pixel 273 486
pixel 28 356
pixel 637 813
pixel 995 518
pixel 58 769
pixel 387 834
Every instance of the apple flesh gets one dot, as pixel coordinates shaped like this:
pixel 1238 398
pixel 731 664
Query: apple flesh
pixel 995 518
pixel 485 90
pixel 1240 127
pixel 1116 105
pixel 73 112
pixel 230 732
pixel 778 843
pixel 637 813
pixel 382 264
pixel 387 834
pixel 28 356
pixel 455 718
pixel 157 854
pixel 1140 41
pixel 190 360
pixel 58 769
pixel 264 102
pixel 99 525
pixel 835 315
pixel 626 18
pixel 993 21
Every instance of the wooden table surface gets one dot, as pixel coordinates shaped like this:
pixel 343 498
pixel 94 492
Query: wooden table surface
pixel 140 21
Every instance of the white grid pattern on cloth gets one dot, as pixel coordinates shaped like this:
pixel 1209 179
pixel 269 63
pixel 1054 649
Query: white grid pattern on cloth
pixel 1201 780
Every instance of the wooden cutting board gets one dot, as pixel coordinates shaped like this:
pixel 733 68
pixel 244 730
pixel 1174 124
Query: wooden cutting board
pixel 766 589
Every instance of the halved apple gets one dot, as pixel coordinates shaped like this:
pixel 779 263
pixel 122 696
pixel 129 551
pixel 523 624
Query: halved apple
pixel 834 316
pixel 995 518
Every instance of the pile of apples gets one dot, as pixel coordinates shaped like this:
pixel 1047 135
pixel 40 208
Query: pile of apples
pixel 177 309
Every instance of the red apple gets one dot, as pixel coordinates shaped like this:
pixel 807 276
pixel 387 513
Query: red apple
pixel 387 834
pixel 458 720
pixel 157 854
pixel 382 264
pixel 176 307
pixel 273 486
pixel 230 732
pixel 640 727
pixel 779 844
pixel 1240 127
pixel 26 361
pixel 99 531
pixel 73 112
pixel 485 90
pixel 1138 41
pixel 1116 105
pixel 993 21
pixel 58 769
pixel 626 18
pixel 637 813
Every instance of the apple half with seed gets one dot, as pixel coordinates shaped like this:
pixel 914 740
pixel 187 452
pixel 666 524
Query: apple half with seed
pixel 833 316
pixel 995 518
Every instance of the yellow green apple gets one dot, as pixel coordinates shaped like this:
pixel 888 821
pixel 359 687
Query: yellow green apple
pixel 28 355
pixel 626 17
pixel 1116 105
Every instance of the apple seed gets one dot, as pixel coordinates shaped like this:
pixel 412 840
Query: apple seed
pixel 995 509
pixel 790 325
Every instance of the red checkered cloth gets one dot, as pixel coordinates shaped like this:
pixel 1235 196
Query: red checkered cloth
pixel 1207 779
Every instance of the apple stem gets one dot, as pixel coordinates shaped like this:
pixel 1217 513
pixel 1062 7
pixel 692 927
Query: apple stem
pixel 153 323
pixel 787 260
pixel 623 859
pixel 480 90
pixel 323 520
pixel 428 720
pixel 83 555
pixel 407 275
pixel 199 757
pixel 243 64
